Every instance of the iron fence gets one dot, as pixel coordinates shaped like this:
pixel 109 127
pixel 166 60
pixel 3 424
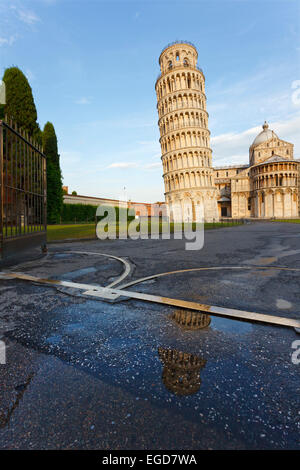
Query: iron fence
pixel 23 211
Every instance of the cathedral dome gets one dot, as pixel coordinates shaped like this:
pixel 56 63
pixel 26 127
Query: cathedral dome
pixel 264 135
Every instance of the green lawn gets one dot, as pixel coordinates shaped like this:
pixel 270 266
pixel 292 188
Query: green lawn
pixel 75 231
pixel 63 232
pixel 208 226
pixel 290 221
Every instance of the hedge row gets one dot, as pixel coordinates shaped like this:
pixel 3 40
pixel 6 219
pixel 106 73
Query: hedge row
pixel 78 213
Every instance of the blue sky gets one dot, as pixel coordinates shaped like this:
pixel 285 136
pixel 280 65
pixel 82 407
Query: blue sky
pixel 92 66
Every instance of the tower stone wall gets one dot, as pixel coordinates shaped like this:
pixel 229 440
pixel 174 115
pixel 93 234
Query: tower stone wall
pixel 188 175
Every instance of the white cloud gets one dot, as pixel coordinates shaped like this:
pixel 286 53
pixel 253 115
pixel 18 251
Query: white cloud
pixel 30 75
pixel 49 2
pixel 123 122
pixel 69 157
pixel 9 41
pixel 14 19
pixel 148 143
pixel 152 166
pixel 233 148
pixel 26 16
pixel 123 165
pixel 83 100
pixel 247 29
pixel 264 93
pixel 139 165
pixel 149 146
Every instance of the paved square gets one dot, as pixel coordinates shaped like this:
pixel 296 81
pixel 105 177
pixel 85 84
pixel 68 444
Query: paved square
pixel 84 373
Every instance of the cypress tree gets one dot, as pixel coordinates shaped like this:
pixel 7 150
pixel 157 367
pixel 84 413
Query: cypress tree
pixel 20 106
pixel 54 176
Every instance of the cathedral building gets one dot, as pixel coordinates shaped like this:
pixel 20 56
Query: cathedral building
pixel 195 190
pixel 266 188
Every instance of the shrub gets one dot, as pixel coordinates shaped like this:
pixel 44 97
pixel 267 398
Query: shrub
pixel 75 213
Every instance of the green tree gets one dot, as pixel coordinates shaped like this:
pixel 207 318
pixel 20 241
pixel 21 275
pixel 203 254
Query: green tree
pixel 20 105
pixel 54 175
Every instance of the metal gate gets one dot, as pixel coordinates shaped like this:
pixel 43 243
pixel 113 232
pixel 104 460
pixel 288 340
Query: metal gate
pixel 23 192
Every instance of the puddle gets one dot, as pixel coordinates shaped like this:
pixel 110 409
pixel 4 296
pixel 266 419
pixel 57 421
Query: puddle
pixel 73 327
pixel 61 255
pixel 230 326
pixel 181 371
pixel 54 339
pixel 289 253
pixel 262 261
pixel 190 320
pixel 265 272
pixel 79 272
pixel 280 251
pixel 134 361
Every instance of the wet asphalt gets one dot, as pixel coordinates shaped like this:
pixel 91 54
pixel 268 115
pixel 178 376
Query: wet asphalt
pixel 82 373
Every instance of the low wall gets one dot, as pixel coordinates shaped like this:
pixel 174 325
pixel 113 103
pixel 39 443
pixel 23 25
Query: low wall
pixel 141 209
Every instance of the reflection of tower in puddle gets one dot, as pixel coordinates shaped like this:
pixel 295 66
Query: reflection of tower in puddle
pixel 190 319
pixel 181 372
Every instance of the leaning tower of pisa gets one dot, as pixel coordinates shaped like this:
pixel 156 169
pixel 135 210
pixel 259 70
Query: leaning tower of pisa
pixel 184 136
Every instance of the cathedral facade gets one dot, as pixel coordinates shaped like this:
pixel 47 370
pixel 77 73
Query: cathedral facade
pixel 194 190
pixel 268 187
